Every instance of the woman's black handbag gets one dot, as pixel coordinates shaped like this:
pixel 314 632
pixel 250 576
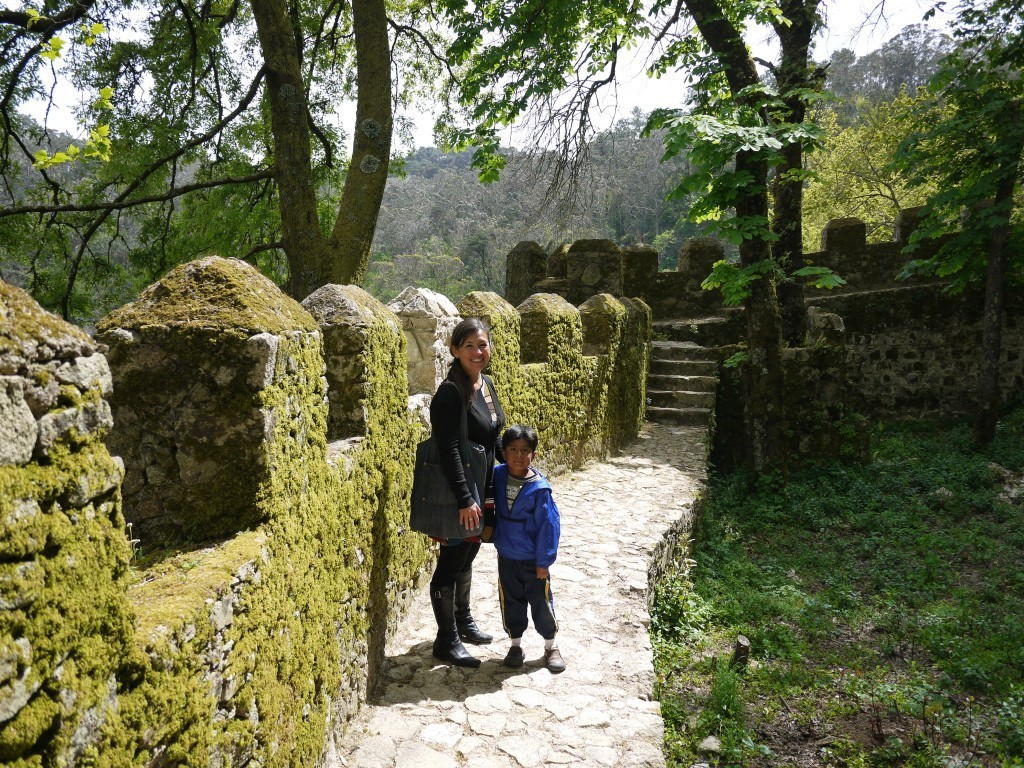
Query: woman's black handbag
pixel 435 509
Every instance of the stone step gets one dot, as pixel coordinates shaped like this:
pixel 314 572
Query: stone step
pixel 714 331
pixel 680 398
pixel 700 368
pixel 665 381
pixel 694 417
pixel 681 350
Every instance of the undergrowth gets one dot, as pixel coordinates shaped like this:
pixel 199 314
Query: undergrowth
pixel 884 605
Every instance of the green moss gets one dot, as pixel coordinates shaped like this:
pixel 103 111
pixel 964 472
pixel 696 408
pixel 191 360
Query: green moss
pixel 213 293
pixel 23 732
pixel 25 326
pixel 178 585
pixel 332 548
pixel 582 407
pixel 333 555
pixel 74 612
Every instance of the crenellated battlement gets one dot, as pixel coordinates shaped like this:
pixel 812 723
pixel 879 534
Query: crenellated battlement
pixel 267 452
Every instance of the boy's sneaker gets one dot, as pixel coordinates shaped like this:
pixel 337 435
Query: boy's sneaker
pixel 554 661
pixel 514 657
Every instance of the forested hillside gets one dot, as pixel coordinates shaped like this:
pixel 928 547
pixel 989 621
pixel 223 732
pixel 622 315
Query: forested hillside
pixel 442 229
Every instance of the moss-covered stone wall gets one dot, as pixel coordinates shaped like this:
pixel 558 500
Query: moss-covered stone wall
pixel 567 371
pixel 255 615
pixel 66 621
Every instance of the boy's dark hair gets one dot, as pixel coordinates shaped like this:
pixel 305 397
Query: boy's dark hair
pixel 521 432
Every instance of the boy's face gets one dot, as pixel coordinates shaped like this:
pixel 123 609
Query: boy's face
pixel 518 455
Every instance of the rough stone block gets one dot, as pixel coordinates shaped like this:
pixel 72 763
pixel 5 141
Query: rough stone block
pixel 550 329
pixel 28 333
pixel 698 255
pixel 525 264
pixel 825 328
pixel 86 373
pixel 72 424
pixel 17 424
pixel 602 317
pixel 351 321
pixel 639 269
pixel 593 266
pixel 558 262
pixel 206 365
pixel 504 323
pixel 427 319
pixel 841 237
pixel 906 222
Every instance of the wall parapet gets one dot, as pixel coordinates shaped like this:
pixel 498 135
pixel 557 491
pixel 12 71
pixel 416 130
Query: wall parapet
pixel 260 609
pixel 66 622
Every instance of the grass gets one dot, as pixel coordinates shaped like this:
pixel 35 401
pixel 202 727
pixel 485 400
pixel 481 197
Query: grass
pixel 884 605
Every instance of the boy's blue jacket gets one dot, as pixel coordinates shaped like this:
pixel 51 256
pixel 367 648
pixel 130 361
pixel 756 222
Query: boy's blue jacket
pixel 530 530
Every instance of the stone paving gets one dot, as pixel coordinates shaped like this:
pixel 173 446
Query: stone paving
pixel 616 516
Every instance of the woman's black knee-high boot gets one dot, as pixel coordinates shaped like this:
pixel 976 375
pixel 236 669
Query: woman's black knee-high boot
pixel 448 647
pixel 468 630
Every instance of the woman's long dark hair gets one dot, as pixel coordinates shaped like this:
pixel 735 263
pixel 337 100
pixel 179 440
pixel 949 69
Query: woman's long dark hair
pixel 467 327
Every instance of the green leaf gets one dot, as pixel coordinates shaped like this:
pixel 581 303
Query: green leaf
pixel 820 277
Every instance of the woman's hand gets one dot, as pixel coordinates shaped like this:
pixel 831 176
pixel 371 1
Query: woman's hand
pixel 470 516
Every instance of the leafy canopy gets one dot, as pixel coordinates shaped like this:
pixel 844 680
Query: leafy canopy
pixel 967 142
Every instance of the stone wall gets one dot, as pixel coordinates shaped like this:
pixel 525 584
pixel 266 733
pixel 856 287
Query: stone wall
pixel 911 349
pixel 256 617
pixel 915 352
pixel 66 622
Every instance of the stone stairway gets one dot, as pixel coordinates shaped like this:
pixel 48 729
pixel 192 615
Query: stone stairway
pixel 681 383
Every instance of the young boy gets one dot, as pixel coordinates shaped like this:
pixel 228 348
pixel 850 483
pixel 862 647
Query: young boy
pixel 526 533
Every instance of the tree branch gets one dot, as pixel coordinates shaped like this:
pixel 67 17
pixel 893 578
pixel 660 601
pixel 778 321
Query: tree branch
pixel 45 26
pixel 122 204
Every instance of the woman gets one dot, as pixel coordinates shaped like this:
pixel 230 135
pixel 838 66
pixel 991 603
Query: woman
pixel 465 389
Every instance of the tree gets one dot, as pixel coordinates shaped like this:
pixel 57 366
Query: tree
pixel 798 82
pixel 969 144
pixel 853 175
pixel 905 62
pixel 741 138
pixel 221 111
pixel 736 126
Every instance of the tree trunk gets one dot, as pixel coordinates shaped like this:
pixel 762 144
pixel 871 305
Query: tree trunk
pixel 764 407
pixel 764 384
pixel 305 246
pixel 788 193
pixel 371 149
pixel 995 286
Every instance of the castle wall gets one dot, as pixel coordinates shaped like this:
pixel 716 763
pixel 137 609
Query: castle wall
pixel 915 352
pixel 66 621
pixel 256 617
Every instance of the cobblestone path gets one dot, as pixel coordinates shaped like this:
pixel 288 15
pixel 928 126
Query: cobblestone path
pixel 599 712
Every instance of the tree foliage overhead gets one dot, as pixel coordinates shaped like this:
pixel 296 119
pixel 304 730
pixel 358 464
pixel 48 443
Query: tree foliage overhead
pixel 223 121
pixel 965 144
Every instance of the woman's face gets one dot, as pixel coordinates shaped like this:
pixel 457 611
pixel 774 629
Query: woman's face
pixel 473 353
